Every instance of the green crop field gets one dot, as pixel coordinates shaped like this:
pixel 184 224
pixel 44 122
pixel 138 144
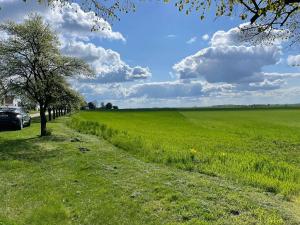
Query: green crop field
pixel 231 167
pixel 260 148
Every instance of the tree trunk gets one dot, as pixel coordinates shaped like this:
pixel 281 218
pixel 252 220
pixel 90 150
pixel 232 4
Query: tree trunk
pixel 53 112
pixel 49 114
pixel 43 121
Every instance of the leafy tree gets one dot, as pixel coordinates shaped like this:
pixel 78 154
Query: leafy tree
pixel 31 63
pixel 264 15
pixel 108 105
pixel 92 105
pixel 65 99
pixel 115 107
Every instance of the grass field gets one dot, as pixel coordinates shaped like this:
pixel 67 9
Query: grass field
pixel 73 177
pixel 255 147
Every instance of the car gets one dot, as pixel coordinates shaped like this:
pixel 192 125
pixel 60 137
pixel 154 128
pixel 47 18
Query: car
pixel 14 117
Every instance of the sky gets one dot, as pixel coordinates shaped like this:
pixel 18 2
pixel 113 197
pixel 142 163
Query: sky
pixel 159 57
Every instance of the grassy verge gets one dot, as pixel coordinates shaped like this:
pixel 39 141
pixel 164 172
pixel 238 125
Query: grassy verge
pixel 259 169
pixel 74 178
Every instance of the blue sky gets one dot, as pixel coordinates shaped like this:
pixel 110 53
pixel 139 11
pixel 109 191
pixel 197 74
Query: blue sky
pixel 158 56
pixel 157 34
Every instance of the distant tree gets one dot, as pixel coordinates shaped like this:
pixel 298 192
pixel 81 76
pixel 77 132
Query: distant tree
pixel 108 105
pixel 92 105
pixel 115 107
pixel 65 100
pixel 31 63
pixel 102 105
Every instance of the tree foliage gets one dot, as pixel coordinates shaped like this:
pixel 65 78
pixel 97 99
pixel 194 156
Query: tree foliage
pixel 263 15
pixel 109 105
pixel 32 65
pixel 92 105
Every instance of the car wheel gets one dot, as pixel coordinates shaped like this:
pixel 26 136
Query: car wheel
pixel 29 123
pixel 20 125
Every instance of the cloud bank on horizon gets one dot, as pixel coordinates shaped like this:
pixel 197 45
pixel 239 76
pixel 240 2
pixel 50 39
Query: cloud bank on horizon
pixel 227 71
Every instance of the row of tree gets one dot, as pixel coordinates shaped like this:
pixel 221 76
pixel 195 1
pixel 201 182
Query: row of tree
pixel 32 66
pixel 107 106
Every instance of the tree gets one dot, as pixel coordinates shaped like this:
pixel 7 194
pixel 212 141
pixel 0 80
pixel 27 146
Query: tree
pixel 102 105
pixel 115 107
pixel 263 15
pixel 65 100
pixel 92 105
pixel 108 105
pixel 31 63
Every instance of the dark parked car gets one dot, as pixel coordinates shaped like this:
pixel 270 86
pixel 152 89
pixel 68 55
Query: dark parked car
pixel 14 117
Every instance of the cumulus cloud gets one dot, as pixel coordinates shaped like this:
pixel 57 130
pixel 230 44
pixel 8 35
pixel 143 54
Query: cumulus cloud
pixel 138 95
pixel 232 37
pixel 67 18
pixel 240 36
pixel 173 89
pixel 107 63
pixel 227 64
pixel 72 20
pixel 192 40
pixel 231 60
pixel 155 90
pixel 293 60
pixel 74 28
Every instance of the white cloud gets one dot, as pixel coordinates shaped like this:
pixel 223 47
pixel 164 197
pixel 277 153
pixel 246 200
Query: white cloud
pixel 231 64
pixel 74 28
pixel 107 63
pixel 246 34
pixel 186 94
pixel 232 37
pixel 154 90
pixel 205 37
pixel 69 18
pixel 192 40
pixel 231 60
pixel 293 60
pixel 173 89
pixel 72 20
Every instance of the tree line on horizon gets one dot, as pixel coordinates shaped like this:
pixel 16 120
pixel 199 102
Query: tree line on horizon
pixel 103 106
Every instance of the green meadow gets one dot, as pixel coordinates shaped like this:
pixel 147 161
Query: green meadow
pixel 260 148
pixel 174 167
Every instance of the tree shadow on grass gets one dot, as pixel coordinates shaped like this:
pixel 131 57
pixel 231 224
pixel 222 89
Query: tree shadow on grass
pixel 8 128
pixel 25 149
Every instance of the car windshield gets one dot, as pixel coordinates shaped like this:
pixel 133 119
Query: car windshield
pixel 9 109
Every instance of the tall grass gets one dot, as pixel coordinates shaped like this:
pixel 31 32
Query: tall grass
pixel 247 167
